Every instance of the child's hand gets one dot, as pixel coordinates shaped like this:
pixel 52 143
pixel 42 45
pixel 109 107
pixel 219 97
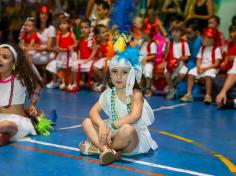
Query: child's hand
pixel 143 61
pixel 71 48
pixel 204 69
pixel 32 110
pixel 86 61
pixel 221 99
pixel 109 136
pixel 102 133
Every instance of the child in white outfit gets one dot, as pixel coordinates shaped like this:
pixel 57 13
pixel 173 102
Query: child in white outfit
pixel 208 59
pixel 126 130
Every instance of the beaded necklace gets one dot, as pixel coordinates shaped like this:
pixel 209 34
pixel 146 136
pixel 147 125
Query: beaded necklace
pixel 114 114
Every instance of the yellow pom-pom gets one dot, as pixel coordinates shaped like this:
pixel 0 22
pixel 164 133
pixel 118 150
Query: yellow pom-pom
pixel 120 44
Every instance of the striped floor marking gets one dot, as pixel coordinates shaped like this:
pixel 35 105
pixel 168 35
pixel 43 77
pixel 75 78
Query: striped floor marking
pixel 229 164
pixel 123 158
pixel 85 159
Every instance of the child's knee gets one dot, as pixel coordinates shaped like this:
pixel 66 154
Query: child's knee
pixel 128 131
pixel 86 123
pixel 9 126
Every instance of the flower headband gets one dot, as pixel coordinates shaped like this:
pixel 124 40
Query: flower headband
pixel 128 59
pixel 11 49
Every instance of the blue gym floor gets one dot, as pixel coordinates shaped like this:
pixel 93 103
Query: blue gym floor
pixel 193 139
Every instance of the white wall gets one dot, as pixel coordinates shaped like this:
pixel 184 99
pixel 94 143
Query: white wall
pixel 227 10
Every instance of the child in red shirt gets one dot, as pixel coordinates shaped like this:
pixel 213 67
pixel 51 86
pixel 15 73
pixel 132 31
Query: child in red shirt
pixel 86 53
pixel 29 37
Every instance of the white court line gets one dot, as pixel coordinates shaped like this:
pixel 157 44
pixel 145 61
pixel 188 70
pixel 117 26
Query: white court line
pixel 169 107
pixel 125 159
pixel 49 144
pixel 71 127
pixel 154 110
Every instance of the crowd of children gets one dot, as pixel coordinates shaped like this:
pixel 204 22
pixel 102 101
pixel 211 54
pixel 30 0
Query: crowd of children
pixel 181 54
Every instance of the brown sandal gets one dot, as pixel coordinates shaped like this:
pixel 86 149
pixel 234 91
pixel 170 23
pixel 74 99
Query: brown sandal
pixel 109 155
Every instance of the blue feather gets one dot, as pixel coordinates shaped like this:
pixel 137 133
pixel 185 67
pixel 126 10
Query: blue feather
pixel 122 15
pixel 131 54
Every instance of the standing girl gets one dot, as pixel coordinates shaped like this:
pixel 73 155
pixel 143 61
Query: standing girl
pixel 16 80
pixel 129 113
pixel 66 44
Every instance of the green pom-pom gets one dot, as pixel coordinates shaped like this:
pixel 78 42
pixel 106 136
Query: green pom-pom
pixel 43 126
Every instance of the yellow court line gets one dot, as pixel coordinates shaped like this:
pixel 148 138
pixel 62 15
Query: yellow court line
pixel 220 157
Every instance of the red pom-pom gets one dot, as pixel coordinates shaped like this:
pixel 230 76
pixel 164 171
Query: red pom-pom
pixel 210 32
pixel 44 9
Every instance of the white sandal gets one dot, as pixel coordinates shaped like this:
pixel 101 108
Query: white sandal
pixel 88 145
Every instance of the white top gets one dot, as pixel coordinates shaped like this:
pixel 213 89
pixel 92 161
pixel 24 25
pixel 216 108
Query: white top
pixel 48 32
pixel 147 118
pixel 19 93
pixel 207 55
pixel 233 69
pixel 177 47
pixel 144 48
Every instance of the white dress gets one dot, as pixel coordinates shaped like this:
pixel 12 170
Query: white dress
pixel 24 124
pixel 147 118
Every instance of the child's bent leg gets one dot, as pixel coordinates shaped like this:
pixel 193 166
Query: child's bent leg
pixel 168 79
pixel 92 133
pixel 126 139
pixel 7 130
pixel 208 82
pixel 191 79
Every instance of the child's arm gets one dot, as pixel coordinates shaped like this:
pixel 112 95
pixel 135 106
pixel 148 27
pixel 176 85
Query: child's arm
pixel 149 58
pixel 92 55
pixel 218 56
pixel 136 110
pixel 215 65
pixel 97 120
pixel 57 44
pixel 198 64
pixel 162 29
pixel 187 52
pixel 75 42
pixel 35 97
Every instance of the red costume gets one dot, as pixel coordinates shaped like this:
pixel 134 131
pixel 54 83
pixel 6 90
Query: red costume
pixel 65 42
pixel 27 38
pixel 85 51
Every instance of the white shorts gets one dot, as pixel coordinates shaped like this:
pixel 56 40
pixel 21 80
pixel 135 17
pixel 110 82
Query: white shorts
pixel 148 69
pixel 52 67
pixel 180 70
pixel 24 125
pixel 100 63
pixel 232 71
pixel 84 67
pixel 62 59
pixel 210 73
pixel 40 58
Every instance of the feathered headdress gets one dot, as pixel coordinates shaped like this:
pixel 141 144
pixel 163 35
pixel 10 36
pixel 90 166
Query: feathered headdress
pixel 122 17
pixel 121 24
